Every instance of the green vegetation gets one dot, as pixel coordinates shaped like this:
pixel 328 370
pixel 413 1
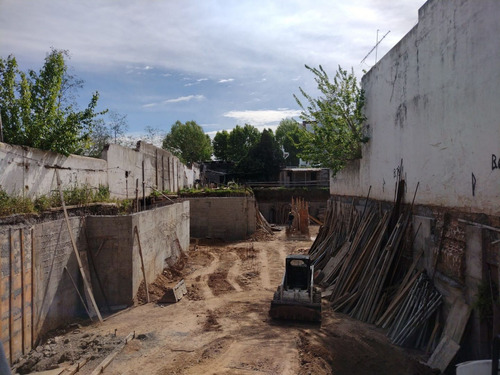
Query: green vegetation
pixel 188 142
pixel 38 109
pixel 485 299
pixel 14 205
pixel 157 193
pixel 77 196
pixel 336 119
pixel 232 190
pixel 287 136
pixel 256 156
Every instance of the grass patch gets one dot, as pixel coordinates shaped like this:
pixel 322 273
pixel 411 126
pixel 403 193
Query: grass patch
pixel 232 190
pixel 76 196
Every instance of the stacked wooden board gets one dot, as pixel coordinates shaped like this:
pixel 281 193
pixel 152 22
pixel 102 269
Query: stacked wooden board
pixel 363 261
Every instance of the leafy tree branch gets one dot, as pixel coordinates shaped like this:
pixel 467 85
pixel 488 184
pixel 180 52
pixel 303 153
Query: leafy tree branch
pixel 336 119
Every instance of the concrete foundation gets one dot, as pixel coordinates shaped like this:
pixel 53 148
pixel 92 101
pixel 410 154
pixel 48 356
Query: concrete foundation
pixel 39 267
pixel 228 218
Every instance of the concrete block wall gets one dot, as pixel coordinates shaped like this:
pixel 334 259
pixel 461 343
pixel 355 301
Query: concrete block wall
pixel 30 172
pixel 36 291
pixel 110 242
pixel 147 167
pixel 55 300
pixel 163 235
pixel 230 218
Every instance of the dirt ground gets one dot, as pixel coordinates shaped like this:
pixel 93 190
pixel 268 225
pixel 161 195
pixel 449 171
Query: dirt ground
pixel 222 326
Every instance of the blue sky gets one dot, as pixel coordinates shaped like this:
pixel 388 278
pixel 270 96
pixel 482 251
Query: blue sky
pixel 217 62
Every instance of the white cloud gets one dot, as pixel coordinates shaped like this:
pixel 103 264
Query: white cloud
pixel 184 99
pixel 261 118
pixel 106 33
pixel 179 99
pixel 125 49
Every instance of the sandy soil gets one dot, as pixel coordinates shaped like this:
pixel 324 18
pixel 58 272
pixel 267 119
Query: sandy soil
pixel 222 326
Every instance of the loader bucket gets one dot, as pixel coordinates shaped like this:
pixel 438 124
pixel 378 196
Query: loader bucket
pixel 287 310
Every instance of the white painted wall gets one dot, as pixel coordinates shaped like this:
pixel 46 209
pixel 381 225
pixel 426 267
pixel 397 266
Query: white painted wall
pixel 30 172
pixel 434 101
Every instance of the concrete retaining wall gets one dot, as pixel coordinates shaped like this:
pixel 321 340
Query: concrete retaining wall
pixel 30 172
pixel 146 167
pixel 231 218
pixel 40 296
pixel 163 234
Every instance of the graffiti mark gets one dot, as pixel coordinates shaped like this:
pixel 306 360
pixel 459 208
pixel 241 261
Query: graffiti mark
pixel 473 185
pixel 397 172
pixel 494 163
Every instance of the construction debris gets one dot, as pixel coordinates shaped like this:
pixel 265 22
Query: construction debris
pixel 174 294
pixel 363 262
pixel 299 217
pixel 262 223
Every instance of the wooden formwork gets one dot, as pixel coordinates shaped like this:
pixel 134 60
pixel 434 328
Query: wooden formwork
pixel 16 291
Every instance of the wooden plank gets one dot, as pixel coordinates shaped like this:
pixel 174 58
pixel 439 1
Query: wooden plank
pixel 100 368
pixel 75 249
pixel 23 295
pixel 457 320
pixel 443 354
pixel 32 275
pixel 397 299
pixel 73 369
pixel 315 220
pixel 136 231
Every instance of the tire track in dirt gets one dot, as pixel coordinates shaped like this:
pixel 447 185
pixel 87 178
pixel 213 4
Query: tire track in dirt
pixel 276 264
pixel 234 271
pixel 264 269
pixel 202 275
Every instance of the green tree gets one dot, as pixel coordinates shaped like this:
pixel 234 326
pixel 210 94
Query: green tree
pixel 38 109
pixel 188 142
pixel 220 145
pixel 240 140
pixel 337 120
pixel 288 138
pixel 264 159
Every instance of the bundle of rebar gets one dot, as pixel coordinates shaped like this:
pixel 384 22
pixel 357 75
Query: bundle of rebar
pixel 413 313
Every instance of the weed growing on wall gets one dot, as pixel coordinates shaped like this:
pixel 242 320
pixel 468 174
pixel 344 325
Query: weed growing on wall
pixel 233 190
pixel 11 205
pixel 76 196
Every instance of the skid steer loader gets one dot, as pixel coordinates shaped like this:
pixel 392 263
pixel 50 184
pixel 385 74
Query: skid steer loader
pixel 296 297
